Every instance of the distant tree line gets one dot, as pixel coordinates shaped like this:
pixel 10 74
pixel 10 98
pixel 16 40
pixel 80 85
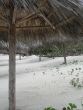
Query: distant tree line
pixel 59 50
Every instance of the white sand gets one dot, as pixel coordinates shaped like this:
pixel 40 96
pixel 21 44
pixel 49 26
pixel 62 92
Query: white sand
pixel 42 84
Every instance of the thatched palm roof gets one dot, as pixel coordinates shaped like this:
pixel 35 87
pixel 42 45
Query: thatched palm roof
pixel 43 20
pixel 40 22
pixel 49 13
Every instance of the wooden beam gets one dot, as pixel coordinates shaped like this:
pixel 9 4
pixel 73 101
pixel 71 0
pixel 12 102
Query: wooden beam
pixel 26 18
pixel 47 26
pixel 3 29
pixel 44 16
pixel 31 27
pixel 64 22
pixel 3 18
pixel 47 20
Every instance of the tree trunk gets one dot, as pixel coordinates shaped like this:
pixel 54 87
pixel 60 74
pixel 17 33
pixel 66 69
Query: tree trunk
pixel 19 56
pixel 64 53
pixel 40 57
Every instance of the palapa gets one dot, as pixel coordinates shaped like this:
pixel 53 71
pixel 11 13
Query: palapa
pixel 38 21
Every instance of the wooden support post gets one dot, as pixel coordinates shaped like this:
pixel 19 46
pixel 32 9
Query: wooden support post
pixel 12 77
pixel 12 53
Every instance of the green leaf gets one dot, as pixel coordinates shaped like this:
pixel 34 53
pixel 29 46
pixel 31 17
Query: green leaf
pixel 49 108
pixel 68 108
pixel 74 106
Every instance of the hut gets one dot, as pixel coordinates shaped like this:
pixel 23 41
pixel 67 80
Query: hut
pixel 45 20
